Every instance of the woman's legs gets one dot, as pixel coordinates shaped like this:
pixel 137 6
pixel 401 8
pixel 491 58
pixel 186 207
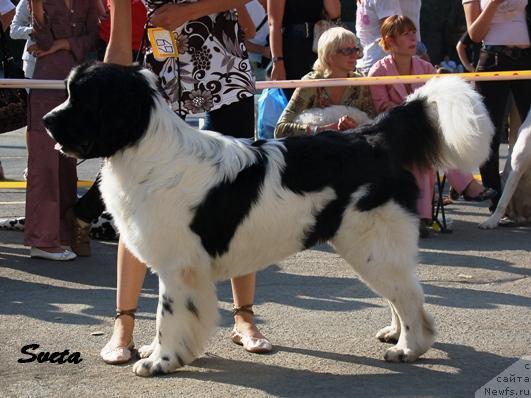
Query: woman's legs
pixel 131 272
pixel 129 280
pixel 130 275
pixel 51 191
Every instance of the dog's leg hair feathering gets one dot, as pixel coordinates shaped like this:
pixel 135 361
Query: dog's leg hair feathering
pixel 520 163
pixel 186 316
pixel 391 333
pixel 386 245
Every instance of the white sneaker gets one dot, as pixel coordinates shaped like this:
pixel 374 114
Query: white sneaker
pixel 65 255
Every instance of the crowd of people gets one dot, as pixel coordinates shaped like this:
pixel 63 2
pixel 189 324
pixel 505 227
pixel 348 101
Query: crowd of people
pixel 214 74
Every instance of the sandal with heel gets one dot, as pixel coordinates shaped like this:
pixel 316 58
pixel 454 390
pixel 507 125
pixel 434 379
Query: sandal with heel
pixel 486 194
pixel 121 354
pixel 251 344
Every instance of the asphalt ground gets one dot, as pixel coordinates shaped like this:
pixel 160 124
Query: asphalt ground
pixel 319 316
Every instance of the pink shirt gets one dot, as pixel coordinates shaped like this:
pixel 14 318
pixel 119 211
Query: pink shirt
pixel 389 95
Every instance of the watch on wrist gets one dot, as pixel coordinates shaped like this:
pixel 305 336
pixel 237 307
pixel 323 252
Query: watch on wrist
pixel 276 59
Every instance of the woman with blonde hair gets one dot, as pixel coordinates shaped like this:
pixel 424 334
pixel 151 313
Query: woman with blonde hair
pixel 338 51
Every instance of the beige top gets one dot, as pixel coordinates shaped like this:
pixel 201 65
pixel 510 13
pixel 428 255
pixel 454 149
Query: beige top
pixel 305 98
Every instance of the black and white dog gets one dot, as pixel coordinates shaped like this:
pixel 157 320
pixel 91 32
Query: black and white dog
pixel 198 207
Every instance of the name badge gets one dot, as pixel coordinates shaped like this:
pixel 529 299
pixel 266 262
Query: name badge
pixel 163 43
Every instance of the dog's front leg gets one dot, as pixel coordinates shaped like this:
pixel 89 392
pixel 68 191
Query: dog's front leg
pixel 186 316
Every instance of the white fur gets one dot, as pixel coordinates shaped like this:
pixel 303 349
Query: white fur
pixel 520 164
pixel 463 119
pixel 152 189
pixel 331 114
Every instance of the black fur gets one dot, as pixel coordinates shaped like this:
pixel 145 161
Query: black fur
pixel 226 205
pixel 345 162
pixel 190 306
pixel 111 120
pixel 166 304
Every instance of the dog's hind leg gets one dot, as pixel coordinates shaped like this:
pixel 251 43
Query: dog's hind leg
pixel 381 246
pixel 508 191
pixel 186 317
pixel 399 285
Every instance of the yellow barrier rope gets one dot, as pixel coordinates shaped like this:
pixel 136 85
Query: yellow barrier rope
pixel 350 81
pixel 15 184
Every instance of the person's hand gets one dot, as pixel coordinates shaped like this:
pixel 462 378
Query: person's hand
pixel 497 3
pixel 327 127
pixel 346 123
pixel 170 16
pixel 5 19
pixel 279 71
pixel 57 45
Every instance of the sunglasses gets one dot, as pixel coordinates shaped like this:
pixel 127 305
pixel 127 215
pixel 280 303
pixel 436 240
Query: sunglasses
pixel 348 51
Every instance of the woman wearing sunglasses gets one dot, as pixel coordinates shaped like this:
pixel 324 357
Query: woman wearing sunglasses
pixel 338 51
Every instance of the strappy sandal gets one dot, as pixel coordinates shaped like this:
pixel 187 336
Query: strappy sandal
pixel 122 354
pixel 250 344
pixel 486 194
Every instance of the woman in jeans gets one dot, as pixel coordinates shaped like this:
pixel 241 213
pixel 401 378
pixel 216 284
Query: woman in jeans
pixel 502 28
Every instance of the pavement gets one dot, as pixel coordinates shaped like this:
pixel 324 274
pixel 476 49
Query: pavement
pixel 320 317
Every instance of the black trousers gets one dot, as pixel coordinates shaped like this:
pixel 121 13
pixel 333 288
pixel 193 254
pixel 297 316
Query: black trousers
pixel 298 57
pixel 236 119
pixel 496 95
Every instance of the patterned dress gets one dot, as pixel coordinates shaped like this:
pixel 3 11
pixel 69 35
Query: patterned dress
pixel 213 68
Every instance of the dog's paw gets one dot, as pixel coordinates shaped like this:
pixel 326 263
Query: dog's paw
pixel 388 334
pixel 149 367
pixel 489 223
pixel 396 354
pixel 146 350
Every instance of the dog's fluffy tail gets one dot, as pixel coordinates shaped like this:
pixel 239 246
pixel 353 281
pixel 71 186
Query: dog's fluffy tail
pixel 442 124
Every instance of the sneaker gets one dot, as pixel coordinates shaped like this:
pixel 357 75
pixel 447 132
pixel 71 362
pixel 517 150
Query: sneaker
pixel 80 236
pixel 65 255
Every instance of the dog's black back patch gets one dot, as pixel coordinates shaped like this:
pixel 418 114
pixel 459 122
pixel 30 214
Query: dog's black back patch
pixel 344 162
pixel 227 204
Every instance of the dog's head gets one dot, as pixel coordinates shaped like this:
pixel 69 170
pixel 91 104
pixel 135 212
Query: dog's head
pixel 108 109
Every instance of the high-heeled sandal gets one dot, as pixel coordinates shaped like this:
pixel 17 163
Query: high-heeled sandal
pixel 486 194
pixel 120 354
pixel 251 344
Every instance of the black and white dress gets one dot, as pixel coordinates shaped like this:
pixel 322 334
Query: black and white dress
pixel 213 68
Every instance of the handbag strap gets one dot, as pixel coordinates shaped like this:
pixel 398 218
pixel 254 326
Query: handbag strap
pixel 262 22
